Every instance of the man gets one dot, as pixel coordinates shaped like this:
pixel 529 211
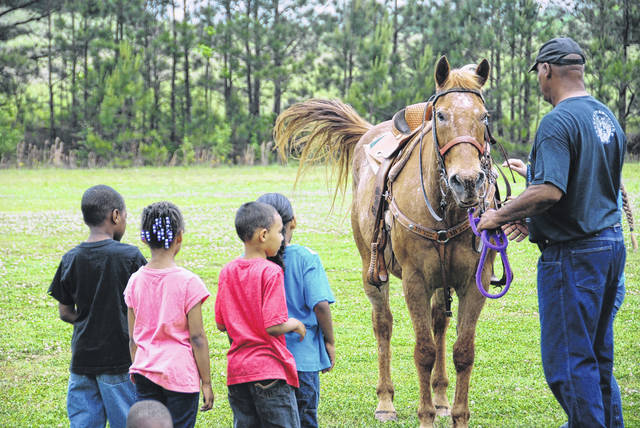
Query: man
pixel 572 214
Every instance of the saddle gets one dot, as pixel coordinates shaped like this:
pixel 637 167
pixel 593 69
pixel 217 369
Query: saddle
pixel 404 125
pixel 381 154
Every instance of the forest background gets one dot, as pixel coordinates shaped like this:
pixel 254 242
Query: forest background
pixel 121 83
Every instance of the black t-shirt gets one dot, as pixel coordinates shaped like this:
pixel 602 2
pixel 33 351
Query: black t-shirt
pixel 93 276
pixel 579 148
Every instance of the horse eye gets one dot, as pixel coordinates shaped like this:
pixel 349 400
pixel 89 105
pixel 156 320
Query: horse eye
pixel 485 119
pixel 440 116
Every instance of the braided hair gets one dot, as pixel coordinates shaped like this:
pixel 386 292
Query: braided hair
pixel 284 208
pixel 161 223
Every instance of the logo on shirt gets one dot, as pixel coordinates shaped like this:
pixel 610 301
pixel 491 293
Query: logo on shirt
pixel 603 126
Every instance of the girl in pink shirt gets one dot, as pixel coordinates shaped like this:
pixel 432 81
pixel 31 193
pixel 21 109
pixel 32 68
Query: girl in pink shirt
pixel 168 344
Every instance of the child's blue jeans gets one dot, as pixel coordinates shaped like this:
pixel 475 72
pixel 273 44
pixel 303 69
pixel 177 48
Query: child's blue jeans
pixel 183 406
pixel 577 286
pixel 307 397
pixel 267 403
pixel 94 399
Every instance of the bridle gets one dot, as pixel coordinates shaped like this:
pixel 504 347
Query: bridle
pixel 442 151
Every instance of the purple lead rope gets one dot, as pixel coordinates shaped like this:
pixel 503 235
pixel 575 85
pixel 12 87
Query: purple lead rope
pixel 500 246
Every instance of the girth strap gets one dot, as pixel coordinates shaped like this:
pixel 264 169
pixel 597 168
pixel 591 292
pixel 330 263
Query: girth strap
pixel 442 236
pixel 439 239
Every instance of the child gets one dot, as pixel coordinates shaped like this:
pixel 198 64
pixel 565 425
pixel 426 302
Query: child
pixel 169 347
pixel 308 298
pixel 251 308
pixel 88 286
pixel 149 414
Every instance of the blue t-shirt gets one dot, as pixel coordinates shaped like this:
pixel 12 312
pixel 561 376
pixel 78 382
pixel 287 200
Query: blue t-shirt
pixel 306 285
pixel 579 148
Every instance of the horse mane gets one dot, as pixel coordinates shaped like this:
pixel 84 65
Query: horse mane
pixel 464 77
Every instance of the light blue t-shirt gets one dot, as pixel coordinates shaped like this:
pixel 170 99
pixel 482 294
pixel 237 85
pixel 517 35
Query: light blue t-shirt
pixel 306 285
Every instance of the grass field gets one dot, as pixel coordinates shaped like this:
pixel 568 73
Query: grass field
pixel 40 220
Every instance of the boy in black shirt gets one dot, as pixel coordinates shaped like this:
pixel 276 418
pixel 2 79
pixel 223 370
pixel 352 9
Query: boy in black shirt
pixel 89 286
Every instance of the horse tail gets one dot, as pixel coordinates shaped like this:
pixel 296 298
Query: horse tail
pixel 319 130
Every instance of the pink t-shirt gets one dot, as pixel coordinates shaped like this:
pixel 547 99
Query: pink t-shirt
pixel 251 298
pixel 161 299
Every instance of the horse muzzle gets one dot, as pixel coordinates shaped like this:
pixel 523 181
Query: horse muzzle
pixel 467 187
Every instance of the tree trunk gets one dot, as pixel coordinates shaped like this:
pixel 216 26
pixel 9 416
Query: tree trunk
pixel 227 80
pixel 74 87
pixel 187 88
pixel 257 47
pixel 247 50
pixel 52 127
pixel 277 62
pixel 512 104
pixel 174 60
pixel 85 51
pixel 622 90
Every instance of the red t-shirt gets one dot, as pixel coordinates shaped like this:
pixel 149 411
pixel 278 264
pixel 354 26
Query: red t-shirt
pixel 251 298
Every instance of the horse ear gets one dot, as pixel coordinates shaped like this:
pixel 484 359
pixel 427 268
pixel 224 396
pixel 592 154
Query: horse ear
pixel 482 72
pixel 442 71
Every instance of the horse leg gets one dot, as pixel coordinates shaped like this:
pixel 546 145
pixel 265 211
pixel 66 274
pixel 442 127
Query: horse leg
pixel 424 354
pixel 382 322
pixel 469 307
pixel 440 381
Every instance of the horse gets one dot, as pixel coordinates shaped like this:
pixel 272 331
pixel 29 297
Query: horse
pixel 431 250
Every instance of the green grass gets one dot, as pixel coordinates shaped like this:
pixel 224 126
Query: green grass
pixel 40 219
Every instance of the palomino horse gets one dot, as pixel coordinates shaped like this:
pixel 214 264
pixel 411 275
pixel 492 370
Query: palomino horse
pixel 425 253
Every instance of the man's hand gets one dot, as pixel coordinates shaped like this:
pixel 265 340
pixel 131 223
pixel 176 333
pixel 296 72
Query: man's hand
pixel 516 165
pixel 488 221
pixel 331 350
pixel 516 230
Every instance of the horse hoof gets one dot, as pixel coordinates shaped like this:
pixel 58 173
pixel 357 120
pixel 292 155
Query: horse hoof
pixel 386 415
pixel 443 411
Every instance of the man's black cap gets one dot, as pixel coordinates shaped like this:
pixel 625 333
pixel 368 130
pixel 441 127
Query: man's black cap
pixel 555 50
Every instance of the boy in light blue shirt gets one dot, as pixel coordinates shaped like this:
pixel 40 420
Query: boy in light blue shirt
pixel 308 298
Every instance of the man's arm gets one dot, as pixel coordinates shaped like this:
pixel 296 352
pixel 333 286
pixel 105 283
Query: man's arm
pixel 67 313
pixel 323 314
pixel 534 200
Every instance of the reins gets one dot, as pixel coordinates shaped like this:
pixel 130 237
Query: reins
pixel 501 242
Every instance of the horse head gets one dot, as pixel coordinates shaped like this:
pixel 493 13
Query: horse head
pixel 459 125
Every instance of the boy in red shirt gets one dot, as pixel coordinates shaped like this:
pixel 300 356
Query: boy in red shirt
pixel 251 307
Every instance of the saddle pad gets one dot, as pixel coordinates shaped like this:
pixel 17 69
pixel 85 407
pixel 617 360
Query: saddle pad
pixel 380 149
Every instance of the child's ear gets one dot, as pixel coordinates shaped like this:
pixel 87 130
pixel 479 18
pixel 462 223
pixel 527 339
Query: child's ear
pixel 179 238
pixel 293 223
pixel 262 235
pixel 116 217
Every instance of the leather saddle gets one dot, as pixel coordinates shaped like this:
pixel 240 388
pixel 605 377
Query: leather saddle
pixel 381 154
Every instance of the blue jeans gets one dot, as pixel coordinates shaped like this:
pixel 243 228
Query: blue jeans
pixel 307 397
pixel 94 399
pixel 268 403
pixel 183 406
pixel 577 286
pixel 615 394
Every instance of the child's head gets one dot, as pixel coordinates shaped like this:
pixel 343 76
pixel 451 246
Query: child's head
pixel 284 208
pixel 101 205
pixel 148 414
pixel 259 225
pixel 162 223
